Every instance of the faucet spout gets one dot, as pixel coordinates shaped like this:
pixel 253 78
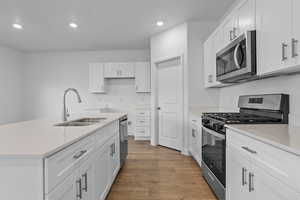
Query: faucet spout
pixel 65 111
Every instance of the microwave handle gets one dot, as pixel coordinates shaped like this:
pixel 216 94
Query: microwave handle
pixel 235 56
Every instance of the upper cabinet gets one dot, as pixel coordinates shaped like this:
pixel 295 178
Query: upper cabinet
pixel 119 70
pixel 296 32
pixel 245 16
pixel 99 72
pixel 96 78
pixel 142 77
pixel 274 35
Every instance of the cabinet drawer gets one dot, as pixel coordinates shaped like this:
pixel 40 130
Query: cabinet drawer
pixel 105 133
pixel 274 161
pixel 142 121
pixel 142 131
pixel 142 113
pixel 63 163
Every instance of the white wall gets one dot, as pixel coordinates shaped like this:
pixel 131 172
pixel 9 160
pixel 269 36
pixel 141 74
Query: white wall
pixel 11 64
pixel 187 40
pixel 284 84
pixel 48 74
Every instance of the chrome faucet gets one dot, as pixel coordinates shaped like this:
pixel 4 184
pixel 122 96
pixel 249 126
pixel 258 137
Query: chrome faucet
pixel 65 109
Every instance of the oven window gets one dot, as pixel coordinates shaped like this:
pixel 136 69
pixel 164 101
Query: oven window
pixel 213 154
pixel 233 59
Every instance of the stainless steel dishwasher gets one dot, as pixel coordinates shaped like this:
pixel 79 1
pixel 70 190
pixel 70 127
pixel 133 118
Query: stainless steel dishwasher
pixel 123 140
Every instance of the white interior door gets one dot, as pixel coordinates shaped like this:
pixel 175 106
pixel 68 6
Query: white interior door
pixel 170 102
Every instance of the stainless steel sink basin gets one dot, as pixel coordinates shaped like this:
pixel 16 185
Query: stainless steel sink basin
pixel 82 122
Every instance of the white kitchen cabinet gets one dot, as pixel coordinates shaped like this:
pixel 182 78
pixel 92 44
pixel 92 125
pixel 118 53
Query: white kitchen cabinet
pixel 142 123
pixel 86 175
pixel 237 168
pixel 115 155
pixel 68 190
pixel 229 28
pixel 255 170
pixel 96 78
pixel 210 52
pixel 102 172
pixel 119 70
pixel 196 141
pixel 274 29
pixel 245 13
pixel 296 33
pixel 142 77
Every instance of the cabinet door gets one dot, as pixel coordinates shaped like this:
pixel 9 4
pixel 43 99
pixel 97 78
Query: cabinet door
pixel 67 190
pixel 208 63
pixel 229 28
pixel 245 16
pixel 296 32
pixel 274 28
pixel 102 169
pixel 115 156
pixel 87 180
pixel 264 186
pixel 142 76
pixel 96 78
pixel 237 170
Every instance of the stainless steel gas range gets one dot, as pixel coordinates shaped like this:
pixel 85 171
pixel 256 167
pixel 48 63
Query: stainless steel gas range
pixel 254 109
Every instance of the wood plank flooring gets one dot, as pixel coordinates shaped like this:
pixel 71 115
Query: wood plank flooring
pixel 158 173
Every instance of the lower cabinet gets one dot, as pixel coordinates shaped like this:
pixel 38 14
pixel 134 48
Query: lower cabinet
pixel 248 177
pixel 195 141
pixel 92 172
pixel 102 172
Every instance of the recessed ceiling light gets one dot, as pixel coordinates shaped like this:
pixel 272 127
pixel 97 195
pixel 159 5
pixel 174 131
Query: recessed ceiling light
pixel 73 25
pixel 160 23
pixel 17 26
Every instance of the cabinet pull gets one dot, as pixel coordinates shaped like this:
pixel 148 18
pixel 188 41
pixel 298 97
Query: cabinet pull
pixel 294 48
pixel 114 148
pixel 79 194
pixel 79 154
pixel 111 150
pixel 85 188
pixel 251 183
pixel 234 33
pixel 249 150
pixel 244 171
pixel 230 35
pixel 210 78
pixel 193 133
pixel 283 47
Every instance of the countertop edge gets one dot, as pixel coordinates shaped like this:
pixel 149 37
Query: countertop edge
pixel 62 147
pixel 266 141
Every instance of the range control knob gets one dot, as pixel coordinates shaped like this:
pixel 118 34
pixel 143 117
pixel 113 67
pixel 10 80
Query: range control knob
pixel 218 127
pixel 205 121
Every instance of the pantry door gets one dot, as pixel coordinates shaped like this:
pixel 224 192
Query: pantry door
pixel 170 103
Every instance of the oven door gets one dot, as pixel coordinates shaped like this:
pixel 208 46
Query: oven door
pixel 238 60
pixel 214 153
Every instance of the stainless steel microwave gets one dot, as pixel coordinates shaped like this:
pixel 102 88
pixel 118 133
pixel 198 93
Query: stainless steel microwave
pixel 237 62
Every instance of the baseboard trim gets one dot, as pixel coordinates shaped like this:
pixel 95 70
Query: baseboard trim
pixel 142 138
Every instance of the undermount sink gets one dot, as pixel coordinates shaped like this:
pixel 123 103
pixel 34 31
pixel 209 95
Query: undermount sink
pixel 82 122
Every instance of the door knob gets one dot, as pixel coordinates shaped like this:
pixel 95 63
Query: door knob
pixel 158 108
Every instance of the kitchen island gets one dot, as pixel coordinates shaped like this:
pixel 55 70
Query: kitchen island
pixel 40 160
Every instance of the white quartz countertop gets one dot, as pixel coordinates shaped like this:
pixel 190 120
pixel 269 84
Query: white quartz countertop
pixel 41 138
pixel 279 135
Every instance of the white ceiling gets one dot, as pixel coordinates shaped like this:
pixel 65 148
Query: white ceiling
pixel 103 24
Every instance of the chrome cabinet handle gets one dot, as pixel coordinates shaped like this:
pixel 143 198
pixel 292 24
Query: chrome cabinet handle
pixel 249 150
pixel 210 78
pixel 79 154
pixel 85 188
pixel 193 133
pixel 230 35
pixel 111 150
pixel 294 48
pixel 79 185
pixel 234 33
pixel 114 148
pixel 244 172
pixel 283 47
pixel 251 182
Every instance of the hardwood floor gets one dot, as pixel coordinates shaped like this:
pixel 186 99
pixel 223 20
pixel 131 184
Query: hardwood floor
pixel 158 173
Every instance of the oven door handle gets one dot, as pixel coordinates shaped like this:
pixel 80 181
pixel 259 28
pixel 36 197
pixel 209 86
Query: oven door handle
pixel 214 133
pixel 236 62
